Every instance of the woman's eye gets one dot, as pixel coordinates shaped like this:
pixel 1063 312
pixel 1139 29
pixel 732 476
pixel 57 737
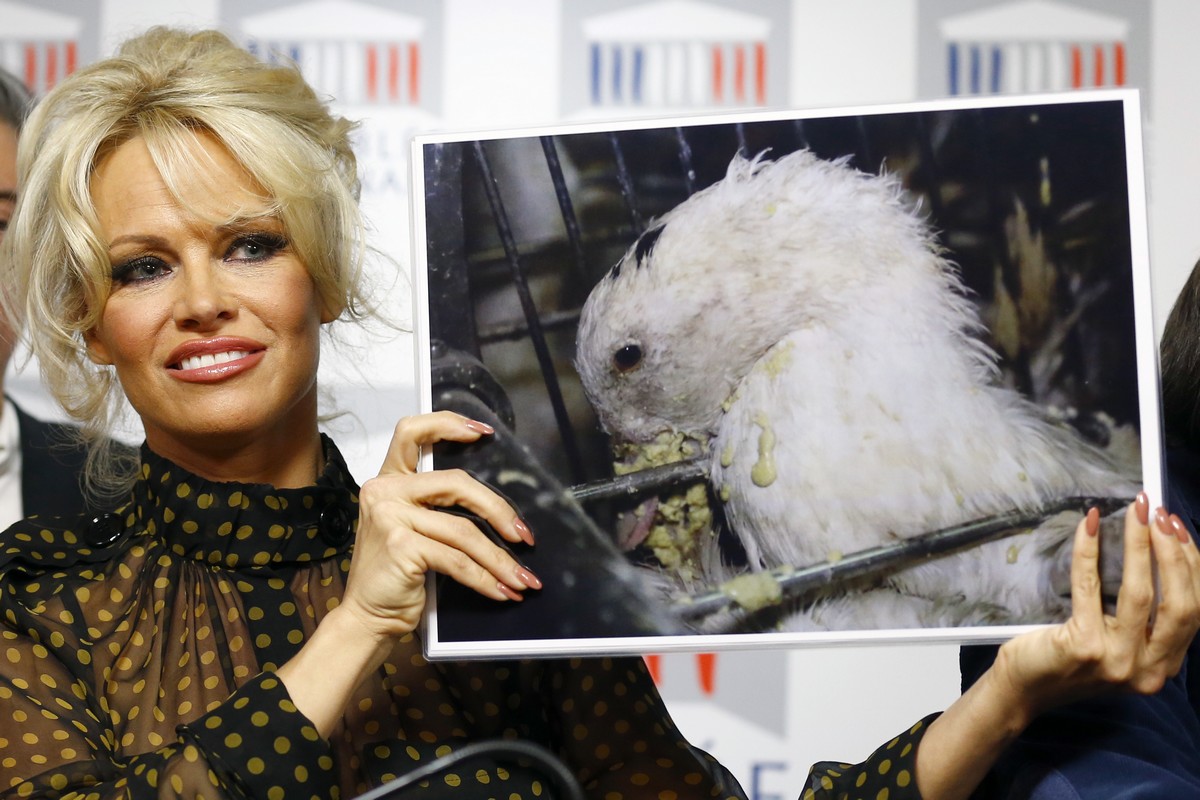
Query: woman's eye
pixel 256 247
pixel 139 270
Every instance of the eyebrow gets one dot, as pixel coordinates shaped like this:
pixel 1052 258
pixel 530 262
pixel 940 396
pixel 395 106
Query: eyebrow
pixel 154 240
pixel 10 196
pixel 137 238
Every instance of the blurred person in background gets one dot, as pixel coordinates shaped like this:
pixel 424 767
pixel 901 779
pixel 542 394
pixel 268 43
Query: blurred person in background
pixel 41 463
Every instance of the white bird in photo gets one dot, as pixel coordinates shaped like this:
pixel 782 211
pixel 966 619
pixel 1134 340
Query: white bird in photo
pixel 799 325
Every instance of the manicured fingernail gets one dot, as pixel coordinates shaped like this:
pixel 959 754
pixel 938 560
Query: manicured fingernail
pixel 1161 519
pixel 509 592
pixel 1141 507
pixel 1093 521
pixel 523 530
pixel 528 578
pixel 479 427
pixel 1180 530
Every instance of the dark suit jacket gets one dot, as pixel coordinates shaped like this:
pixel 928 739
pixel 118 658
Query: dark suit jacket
pixel 52 463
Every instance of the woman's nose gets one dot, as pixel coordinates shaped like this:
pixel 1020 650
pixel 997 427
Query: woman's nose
pixel 203 301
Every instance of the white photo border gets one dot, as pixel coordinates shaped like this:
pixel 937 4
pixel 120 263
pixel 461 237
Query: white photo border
pixel 1147 379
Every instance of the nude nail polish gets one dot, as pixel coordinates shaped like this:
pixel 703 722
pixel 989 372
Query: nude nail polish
pixel 509 592
pixel 528 578
pixel 1141 508
pixel 479 427
pixel 1180 530
pixel 523 530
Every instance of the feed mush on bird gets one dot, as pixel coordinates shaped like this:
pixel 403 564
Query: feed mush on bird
pixel 673 526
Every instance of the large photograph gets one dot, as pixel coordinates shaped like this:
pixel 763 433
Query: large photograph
pixel 779 379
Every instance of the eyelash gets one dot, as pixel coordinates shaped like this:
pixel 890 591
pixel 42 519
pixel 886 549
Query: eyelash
pixel 272 243
pixel 125 272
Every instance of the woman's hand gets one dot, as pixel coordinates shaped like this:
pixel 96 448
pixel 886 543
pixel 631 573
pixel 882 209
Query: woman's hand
pixel 1139 648
pixel 402 534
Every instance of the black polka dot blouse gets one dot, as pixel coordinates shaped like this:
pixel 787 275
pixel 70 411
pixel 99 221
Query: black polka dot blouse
pixel 889 774
pixel 138 650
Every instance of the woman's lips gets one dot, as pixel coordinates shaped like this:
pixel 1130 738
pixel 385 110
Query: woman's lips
pixel 211 360
pixel 237 362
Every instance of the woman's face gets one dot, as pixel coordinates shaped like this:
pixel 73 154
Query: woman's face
pixel 213 328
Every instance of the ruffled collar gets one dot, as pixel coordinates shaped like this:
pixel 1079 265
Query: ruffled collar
pixel 244 524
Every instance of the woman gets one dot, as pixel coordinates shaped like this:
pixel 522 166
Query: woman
pixel 244 625
pixel 194 220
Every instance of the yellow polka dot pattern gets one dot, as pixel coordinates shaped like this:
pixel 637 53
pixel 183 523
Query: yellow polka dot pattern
pixel 886 775
pixel 137 658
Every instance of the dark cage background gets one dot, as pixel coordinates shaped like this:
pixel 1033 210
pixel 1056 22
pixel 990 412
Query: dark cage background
pixel 1031 202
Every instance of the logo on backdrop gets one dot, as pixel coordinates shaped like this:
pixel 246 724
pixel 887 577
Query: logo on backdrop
pixel 358 53
pixel 673 55
pixel 379 62
pixel 1031 46
pixel 44 42
pixel 749 685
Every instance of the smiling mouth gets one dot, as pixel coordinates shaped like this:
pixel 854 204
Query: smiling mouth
pixel 211 359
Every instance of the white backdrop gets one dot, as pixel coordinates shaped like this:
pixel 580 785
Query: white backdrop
pixel 767 715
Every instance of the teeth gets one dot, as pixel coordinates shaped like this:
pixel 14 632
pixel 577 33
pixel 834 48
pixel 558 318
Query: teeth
pixel 211 359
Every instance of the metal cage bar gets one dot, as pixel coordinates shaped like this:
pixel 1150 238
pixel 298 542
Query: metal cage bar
pixel 625 179
pixel 536 335
pixel 565 206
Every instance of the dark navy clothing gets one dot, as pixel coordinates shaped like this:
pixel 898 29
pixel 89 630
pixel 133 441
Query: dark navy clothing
pixel 1115 747
pixel 1183 498
pixel 53 458
pixel 52 462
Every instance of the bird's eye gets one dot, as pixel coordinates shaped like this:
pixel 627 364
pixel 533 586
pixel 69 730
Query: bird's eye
pixel 627 357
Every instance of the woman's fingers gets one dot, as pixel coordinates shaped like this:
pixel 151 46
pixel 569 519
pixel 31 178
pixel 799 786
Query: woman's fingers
pixel 446 488
pixel 1087 605
pixel 1191 555
pixel 405 532
pixel 398 543
pixel 491 574
pixel 1154 623
pixel 1137 649
pixel 409 525
pixel 457 488
pixel 471 553
pixel 1178 610
pixel 413 433
pixel 1135 601
pixel 415 502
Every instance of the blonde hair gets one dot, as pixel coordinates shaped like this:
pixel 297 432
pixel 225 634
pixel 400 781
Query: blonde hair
pixel 166 86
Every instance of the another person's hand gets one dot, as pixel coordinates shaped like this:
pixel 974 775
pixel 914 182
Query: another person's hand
pixel 403 534
pixel 1137 649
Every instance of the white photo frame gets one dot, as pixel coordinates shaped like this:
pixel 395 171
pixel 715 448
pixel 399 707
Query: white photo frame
pixel 1021 192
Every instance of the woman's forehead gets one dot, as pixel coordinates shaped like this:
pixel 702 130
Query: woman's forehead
pixel 194 172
